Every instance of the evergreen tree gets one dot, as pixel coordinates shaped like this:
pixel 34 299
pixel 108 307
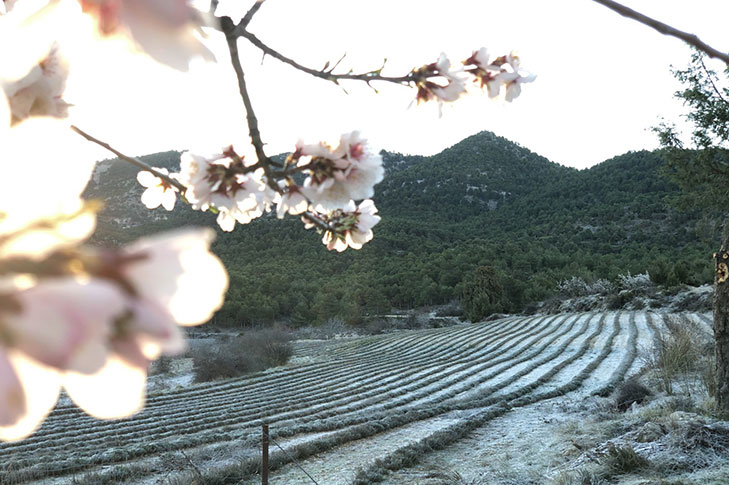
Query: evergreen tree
pixel 702 171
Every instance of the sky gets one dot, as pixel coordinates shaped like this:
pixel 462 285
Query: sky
pixel 602 80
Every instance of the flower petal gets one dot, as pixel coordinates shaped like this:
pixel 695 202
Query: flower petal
pixel 116 391
pixel 41 387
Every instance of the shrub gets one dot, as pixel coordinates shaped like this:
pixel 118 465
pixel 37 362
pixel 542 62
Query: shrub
pixel 623 459
pixel 631 391
pixel 637 282
pixel 577 286
pixel 251 351
pixel 163 365
pixel 678 353
pixel 452 309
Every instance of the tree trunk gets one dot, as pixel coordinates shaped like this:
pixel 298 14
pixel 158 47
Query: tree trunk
pixel 721 322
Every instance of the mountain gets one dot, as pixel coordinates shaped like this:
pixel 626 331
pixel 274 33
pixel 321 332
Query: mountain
pixel 483 202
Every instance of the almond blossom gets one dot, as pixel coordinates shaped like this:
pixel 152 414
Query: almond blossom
pixel 349 227
pixel 55 326
pixel 428 90
pixel 339 176
pixel 99 331
pixel 41 186
pixel 159 192
pixel 293 202
pixel 494 74
pixel 164 29
pixel 225 183
pixel 40 92
pixel 168 280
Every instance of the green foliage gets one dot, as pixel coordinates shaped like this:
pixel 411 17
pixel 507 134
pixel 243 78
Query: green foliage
pixel 701 170
pixel 483 294
pixel 483 202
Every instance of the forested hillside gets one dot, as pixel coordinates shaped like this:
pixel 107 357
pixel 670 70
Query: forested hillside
pixel 483 202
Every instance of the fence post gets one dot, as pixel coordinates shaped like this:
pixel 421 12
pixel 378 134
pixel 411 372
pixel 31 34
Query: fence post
pixel 264 456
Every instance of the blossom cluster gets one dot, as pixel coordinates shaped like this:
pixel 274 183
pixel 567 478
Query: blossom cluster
pixel 73 316
pixel 90 320
pixel 84 318
pixel 240 191
pixel 439 81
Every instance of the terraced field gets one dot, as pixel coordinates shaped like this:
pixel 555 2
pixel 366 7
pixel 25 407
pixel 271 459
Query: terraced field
pixel 352 410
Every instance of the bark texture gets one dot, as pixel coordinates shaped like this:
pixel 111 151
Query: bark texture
pixel 721 323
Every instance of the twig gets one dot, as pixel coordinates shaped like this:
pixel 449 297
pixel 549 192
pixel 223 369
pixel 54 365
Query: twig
pixel 229 29
pixel 691 39
pixel 134 161
pixel 325 74
pixel 314 219
pixel 249 15
pixel 711 81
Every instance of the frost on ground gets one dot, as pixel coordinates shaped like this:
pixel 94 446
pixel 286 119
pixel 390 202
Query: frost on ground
pixel 504 402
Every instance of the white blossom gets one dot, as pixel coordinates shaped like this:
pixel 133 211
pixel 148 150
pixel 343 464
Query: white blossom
pixel 177 272
pixel 225 183
pixel 346 173
pixel 41 186
pixel 158 192
pixel 292 202
pixel 450 85
pixel 504 70
pixel 40 92
pixel 349 227
pixel 167 30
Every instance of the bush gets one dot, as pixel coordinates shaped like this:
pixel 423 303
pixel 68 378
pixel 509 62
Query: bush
pixel 452 309
pixel 251 351
pixel 637 282
pixel 623 459
pixel 631 391
pixel 577 286
pixel 677 354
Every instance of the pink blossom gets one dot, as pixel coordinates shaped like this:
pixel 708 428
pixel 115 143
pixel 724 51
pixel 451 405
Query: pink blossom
pixel 29 392
pixel 450 85
pixel 40 92
pixel 226 183
pixel 64 323
pixel 55 326
pixel 12 397
pixel 504 70
pixel 338 176
pixel 164 29
pixel 177 272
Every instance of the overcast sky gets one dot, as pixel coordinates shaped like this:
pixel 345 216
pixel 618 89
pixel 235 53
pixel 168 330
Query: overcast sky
pixel 602 80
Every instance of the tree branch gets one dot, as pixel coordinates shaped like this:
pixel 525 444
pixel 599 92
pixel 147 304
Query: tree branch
pixel 249 15
pixel 711 81
pixel 323 74
pixel 665 29
pixel 229 29
pixel 134 161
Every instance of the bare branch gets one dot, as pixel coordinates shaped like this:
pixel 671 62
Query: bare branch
pixel 314 219
pixel 711 81
pixel 665 29
pixel 324 74
pixel 229 29
pixel 249 15
pixel 134 161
